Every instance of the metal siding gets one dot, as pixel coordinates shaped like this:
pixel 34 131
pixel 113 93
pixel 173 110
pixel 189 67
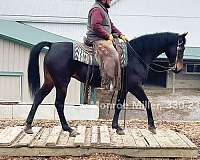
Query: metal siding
pixel 26 35
pixel 44 10
pixel 183 80
pixel 72 31
pixel 143 17
pixel 137 26
pixel 1 53
pixel 157 8
pixel 10 88
pixel 15 59
pixel 131 17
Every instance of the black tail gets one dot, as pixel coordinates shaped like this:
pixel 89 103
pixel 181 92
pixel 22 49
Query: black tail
pixel 33 67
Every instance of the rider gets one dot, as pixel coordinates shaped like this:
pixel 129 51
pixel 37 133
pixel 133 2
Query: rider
pixel 100 33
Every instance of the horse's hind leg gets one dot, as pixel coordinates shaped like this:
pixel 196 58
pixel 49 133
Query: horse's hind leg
pixel 40 95
pixel 61 91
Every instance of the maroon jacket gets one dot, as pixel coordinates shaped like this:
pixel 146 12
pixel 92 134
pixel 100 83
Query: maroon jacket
pixel 96 23
pixel 99 23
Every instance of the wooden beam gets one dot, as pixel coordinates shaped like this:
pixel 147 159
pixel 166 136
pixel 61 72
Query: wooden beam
pixel 9 135
pixel 136 143
pixel 139 138
pixel 53 137
pixel 80 139
pixel 104 135
pixel 27 138
pixel 94 139
pixel 128 140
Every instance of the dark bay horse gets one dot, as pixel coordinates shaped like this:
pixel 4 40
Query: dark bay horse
pixel 59 68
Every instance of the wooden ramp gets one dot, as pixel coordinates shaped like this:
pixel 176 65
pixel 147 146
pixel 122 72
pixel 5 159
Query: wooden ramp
pixel 95 139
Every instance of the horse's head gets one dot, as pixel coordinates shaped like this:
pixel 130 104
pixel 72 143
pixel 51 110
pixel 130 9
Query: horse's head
pixel 175 53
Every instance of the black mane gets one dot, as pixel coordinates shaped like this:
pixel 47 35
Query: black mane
pixel 153 42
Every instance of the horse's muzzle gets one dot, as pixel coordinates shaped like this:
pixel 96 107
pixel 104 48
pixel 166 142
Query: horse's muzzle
pixel 178 67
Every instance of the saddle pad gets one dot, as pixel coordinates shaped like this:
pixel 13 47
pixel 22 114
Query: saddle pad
pixel 84 54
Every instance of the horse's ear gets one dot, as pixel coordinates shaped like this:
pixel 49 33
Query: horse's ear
pixel 184 34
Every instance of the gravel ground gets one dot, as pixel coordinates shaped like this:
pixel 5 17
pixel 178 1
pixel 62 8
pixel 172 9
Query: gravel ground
pixel 190 129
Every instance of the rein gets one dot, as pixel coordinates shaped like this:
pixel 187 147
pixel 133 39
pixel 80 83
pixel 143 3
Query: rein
pixel 148 66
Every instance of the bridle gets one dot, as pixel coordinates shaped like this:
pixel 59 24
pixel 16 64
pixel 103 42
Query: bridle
pixel 172 66
pixel 179 54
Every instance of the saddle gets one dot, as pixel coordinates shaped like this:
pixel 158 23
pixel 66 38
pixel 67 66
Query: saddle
pixel 85 53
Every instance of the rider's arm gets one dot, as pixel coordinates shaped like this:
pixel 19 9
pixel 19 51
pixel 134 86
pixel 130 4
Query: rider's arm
pixel 115 30
pixel 118 33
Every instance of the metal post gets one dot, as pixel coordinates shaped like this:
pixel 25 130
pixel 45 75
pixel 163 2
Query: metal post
pixel 173 82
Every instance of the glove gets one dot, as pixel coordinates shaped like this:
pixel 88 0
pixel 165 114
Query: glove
pixel 110 37
pixel 124 38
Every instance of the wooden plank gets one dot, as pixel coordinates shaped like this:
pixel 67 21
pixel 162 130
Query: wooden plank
pixel 128 140
pixel 88 136
pixel 104 135
pixel 115 139
pixel 150 139
pixel 53 137
pixel 186 140
pixel 175 139
pixel 163 140
pixel 94 138
pixel 27 138
pixel 4 132
pixel 80 139
pixel 70 142
pixel 139 138
pixel 63 139
pixel 40 139
pixel 136 153
pixel 10 135
pixel 70 149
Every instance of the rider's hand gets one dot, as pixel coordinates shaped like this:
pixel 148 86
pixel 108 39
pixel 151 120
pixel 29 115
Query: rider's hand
pixel 124 38
pixel 110 37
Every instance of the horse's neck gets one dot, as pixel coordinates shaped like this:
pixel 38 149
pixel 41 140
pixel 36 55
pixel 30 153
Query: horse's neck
pixel 158 53
pixel 151 53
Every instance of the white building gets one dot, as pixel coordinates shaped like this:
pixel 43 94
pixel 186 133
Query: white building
pixel 68 18
pixel 134 18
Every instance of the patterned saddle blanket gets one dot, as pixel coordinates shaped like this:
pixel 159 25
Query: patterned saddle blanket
pixel 86 54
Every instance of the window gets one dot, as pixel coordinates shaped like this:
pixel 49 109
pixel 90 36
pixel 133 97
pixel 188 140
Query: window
pixel 10 86
pixel 193 68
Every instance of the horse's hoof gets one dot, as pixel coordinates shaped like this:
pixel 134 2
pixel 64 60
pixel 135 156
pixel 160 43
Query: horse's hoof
pixel 152 129
pixel 28 130
pixel 120 132
pixel 73 133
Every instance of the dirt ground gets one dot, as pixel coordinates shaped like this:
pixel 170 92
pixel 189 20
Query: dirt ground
pixel 183 105
pixel 156 95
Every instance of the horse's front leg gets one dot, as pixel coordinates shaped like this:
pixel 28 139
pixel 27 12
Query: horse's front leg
pixel 141 96
pixel 118 107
